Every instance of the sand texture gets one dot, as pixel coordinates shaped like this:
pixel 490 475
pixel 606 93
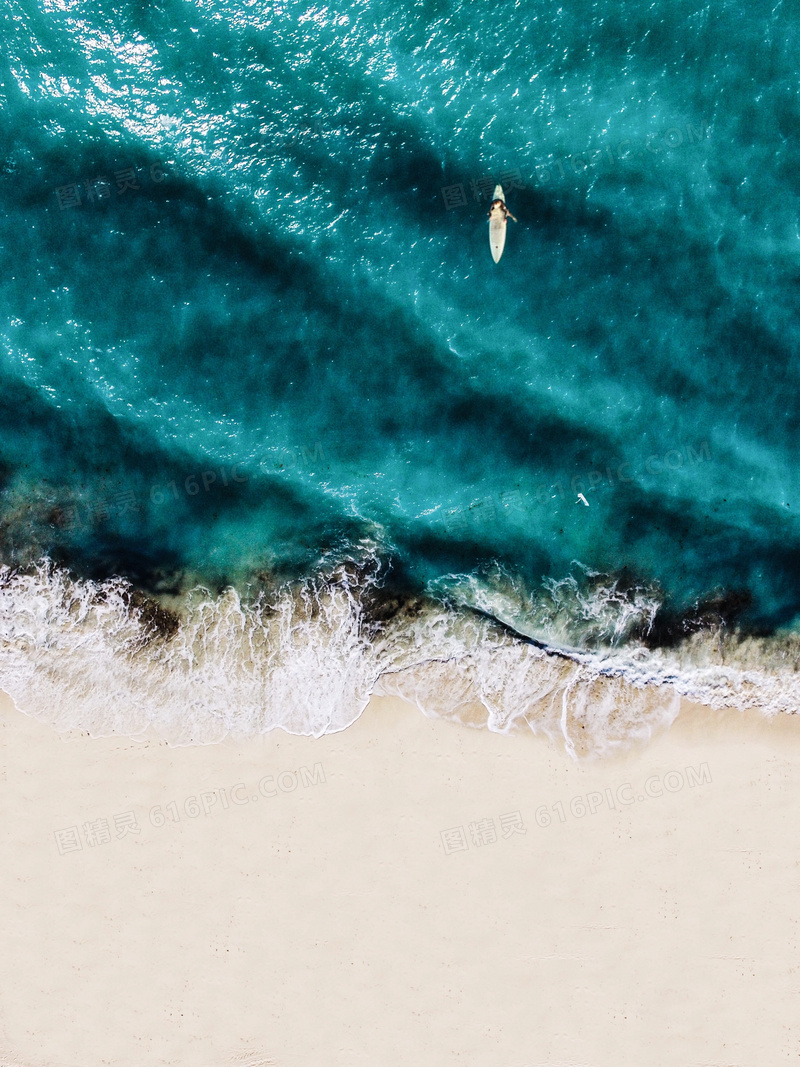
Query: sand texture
pixel 329 923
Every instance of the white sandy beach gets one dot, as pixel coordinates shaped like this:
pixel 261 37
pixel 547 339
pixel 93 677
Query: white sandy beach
pixel 325 923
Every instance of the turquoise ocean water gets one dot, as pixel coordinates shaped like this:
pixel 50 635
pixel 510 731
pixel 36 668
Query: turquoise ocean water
pixel 278 433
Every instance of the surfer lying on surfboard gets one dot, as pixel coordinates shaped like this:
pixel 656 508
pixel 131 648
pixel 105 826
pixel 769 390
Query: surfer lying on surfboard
pixel 498 210
pixel 498 223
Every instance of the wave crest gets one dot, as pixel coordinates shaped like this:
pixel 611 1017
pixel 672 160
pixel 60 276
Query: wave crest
pixel 306 656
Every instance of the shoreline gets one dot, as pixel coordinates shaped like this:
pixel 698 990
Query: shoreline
pixel 106 659
pixel 405 887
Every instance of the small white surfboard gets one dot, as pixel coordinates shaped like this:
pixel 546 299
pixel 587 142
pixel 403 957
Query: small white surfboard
pixel 497 226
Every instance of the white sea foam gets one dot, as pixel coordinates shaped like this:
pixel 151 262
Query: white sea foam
pixel 306 657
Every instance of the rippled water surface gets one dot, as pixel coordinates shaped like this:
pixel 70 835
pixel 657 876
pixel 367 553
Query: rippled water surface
pixel 253 344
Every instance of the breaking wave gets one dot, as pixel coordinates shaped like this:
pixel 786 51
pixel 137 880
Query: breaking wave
pixel 574 662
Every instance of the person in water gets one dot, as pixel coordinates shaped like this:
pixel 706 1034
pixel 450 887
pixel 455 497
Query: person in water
pixel 498 210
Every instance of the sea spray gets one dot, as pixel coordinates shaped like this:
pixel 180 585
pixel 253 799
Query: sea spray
pixel 305 657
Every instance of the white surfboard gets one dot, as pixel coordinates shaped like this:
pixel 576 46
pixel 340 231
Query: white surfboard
pixel 497 227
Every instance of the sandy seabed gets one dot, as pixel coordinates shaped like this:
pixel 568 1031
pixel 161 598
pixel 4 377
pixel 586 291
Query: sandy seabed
pixel 406 891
